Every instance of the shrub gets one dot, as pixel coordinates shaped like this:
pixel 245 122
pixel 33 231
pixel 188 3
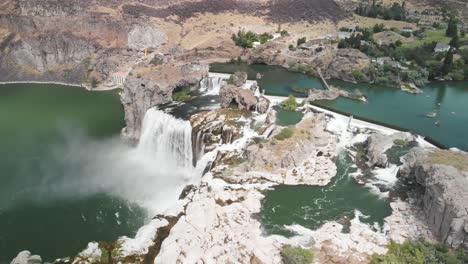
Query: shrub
pixel 285 134
pixel 296 255
pixel 182 95
pixel 157 61
pixel 284 33
pixel 291 47
pixel 244 39
pixel 357 75
pixel 303 68
pixel 420 252
pixel 290 103
pixel 265 37
pixel 301 41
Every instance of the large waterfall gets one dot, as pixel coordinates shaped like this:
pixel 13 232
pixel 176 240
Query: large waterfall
pixel 167 140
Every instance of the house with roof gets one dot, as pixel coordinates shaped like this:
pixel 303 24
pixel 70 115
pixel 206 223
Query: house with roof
pixel 441 47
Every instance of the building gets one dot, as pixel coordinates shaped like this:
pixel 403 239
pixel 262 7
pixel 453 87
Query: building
pixel 441 47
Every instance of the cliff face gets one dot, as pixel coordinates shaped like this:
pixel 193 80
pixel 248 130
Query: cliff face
pixel 152 87
pixel 442 180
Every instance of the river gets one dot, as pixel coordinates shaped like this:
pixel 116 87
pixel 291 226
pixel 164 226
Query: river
pixel 388 105
pixel 47 203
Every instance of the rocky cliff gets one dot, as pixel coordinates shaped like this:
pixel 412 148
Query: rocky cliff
pixel 441 180
pixel 149 87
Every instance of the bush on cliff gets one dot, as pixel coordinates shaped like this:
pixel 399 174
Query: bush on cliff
pixel 420 252
pixel 296 255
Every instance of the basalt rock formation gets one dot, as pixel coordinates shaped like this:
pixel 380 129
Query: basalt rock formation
pixel 153 86
pixel 441 177
pixel 243 98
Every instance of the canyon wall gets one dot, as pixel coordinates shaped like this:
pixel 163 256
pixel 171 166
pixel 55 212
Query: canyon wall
pixel 440 179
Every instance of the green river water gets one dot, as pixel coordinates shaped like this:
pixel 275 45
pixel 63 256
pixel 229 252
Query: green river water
pixel 47 207
pixel 42 207
pixel 311 206
pixel 388 105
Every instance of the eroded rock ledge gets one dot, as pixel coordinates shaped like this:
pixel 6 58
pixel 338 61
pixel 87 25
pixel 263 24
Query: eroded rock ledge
pixel 441 176
pixel 152 86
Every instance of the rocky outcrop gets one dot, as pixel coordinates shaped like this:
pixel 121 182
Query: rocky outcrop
pixel 243 98
pixel 212 128
pixel 238 78
pixel 141 37
pixel 341 64
pixel 441 177
pixel 327 94
pixel 263 104
pixel 306 157
pixel 378 144
pixel 152 87
pixel 25 257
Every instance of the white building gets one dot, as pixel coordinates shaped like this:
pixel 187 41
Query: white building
pixel 441 47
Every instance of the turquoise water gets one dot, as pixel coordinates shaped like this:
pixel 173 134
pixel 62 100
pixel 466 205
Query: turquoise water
pixel 47 205
pixel 392 106
pixel 275 80
pixel 287 117
pixel 312 206
pixel 387 105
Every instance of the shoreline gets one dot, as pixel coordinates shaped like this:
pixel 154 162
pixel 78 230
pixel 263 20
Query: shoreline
pixel 86 87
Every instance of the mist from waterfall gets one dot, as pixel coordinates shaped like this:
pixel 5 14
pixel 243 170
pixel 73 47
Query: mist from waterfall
pixel 151 175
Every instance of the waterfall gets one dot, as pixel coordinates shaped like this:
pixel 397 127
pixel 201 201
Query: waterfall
pixel 211 84
pixel 167 140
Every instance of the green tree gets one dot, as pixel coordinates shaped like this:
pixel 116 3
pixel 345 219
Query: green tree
pixel 290 103
pixel 301 41
pixel 452 29
pixel 448 63
pixel 455 42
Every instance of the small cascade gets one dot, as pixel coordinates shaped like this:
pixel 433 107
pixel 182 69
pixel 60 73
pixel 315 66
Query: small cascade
pixel 167 140
pixel 211 84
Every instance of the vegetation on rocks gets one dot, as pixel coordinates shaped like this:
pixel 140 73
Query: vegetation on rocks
pixel 183 94
pixel 303 68
pixel 450 158
pixel 285 134
pixel 290 103
pixel 296 255
pixel 420 252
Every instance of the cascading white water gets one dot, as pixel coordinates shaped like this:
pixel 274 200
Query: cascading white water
pixel 211 84
pixel 167 140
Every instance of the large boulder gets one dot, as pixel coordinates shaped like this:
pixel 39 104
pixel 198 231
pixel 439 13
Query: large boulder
pixel 238 78
pixel 378 144
pixel 263 104
pixel 25 257
pixel 244 98
pixel 442 178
